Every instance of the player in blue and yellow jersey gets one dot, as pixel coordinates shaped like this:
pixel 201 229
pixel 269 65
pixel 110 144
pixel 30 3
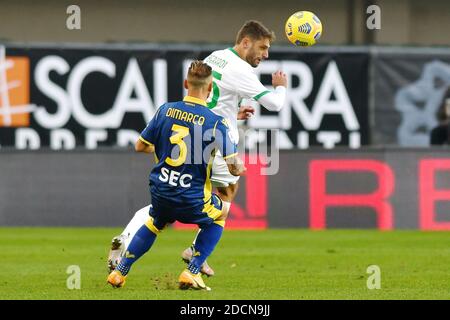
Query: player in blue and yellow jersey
pixel 185 137
pixel 234 81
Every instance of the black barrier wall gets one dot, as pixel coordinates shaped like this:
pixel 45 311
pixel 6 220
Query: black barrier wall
pixel 88 97
pixel 71 96
pixel 371 188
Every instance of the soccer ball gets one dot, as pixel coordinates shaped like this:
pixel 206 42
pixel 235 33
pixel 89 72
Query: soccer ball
pixel 303 28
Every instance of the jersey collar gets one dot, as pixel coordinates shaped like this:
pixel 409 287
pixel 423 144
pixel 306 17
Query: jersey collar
pixel 237 55
pixel 194 100
pixel 234 51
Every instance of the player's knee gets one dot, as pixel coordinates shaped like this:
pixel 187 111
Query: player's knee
pixel 223 216
pixel 228 193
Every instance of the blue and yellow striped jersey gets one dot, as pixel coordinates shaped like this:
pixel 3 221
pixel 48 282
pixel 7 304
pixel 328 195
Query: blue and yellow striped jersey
pixel 186 136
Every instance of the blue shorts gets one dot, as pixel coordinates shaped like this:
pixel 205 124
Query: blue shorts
pixel 164 213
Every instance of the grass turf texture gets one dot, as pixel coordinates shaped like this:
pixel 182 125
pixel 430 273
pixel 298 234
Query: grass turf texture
pixel 273 264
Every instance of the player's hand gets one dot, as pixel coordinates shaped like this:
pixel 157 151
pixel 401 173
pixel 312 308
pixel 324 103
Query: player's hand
pixel 241 166
pixel 279 79
pixel 245 112
pixel 236 166
pixel 240 169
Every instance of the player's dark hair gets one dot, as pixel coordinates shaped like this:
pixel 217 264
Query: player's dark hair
pixel 255 30
pixel 199 74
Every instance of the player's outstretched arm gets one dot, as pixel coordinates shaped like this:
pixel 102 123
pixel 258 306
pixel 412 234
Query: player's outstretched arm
pixel 249 86
pixel 274 100
pixel 141 146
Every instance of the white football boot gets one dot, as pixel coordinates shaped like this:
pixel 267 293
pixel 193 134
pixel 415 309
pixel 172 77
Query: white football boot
pixel 187 255
pixel 116 252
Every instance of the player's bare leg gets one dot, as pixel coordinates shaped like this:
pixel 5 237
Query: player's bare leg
pixel 227 195
pixel 120 243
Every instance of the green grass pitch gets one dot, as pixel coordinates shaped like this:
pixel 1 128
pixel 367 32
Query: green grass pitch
pixel 273 264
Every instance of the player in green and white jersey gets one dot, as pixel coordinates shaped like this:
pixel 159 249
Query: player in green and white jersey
pixel 234 79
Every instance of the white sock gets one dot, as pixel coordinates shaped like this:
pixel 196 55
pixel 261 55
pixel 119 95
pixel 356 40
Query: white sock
pixel 139 219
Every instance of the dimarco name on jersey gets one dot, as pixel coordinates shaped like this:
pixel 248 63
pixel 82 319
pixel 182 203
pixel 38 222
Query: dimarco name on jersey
pixel 185 116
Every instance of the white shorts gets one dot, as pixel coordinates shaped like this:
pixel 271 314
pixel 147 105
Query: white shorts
pixel 221 176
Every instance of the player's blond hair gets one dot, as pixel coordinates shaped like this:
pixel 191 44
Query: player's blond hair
pixel 255 30
pixel 199 74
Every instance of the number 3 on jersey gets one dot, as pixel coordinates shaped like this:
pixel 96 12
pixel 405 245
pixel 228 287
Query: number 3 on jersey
pixel 180 133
